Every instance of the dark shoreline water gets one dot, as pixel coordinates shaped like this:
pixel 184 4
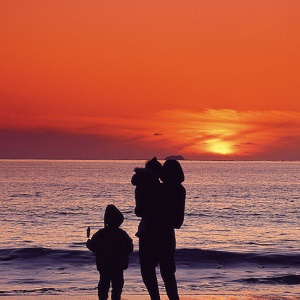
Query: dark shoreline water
pixel 274 270
pixel 185 258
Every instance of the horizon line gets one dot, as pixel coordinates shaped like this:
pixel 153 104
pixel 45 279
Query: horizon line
pixel 144 159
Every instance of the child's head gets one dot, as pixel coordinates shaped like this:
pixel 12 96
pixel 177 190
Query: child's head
pixel 154 165
pixel 112 216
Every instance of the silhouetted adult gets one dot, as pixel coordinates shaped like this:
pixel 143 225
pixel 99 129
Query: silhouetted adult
pixel 157 241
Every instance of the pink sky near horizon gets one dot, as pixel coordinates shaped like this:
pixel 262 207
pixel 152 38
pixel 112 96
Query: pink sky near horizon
pixel 108 80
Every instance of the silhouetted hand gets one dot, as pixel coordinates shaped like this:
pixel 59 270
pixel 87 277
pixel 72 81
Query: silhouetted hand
pixel 88 232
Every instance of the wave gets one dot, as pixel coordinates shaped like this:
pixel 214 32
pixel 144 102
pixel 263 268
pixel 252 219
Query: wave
pixel 185 258
pixel 40 254
pixel 44 291
pixel 26 195
pixel 199 257
pixel 284 279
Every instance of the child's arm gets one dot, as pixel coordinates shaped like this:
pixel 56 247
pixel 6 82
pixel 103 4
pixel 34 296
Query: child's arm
pixel 90 243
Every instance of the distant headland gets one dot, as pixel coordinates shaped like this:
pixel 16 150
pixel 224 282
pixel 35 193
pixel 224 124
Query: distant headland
pixel 176 157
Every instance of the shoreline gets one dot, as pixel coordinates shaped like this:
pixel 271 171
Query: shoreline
pixel 224 296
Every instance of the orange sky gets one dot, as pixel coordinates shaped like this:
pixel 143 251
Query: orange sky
pixel 133 79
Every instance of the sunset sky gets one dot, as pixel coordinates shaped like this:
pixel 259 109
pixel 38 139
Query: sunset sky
pixel 97 79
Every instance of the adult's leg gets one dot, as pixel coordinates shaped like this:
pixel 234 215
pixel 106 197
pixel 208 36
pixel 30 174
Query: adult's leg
pixel 167 270
pixel 103 286
pixel 117 284
pixel 148 263
pixel 167 263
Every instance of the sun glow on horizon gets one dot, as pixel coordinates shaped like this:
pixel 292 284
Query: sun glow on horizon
pixel 220 147
pixel 204 134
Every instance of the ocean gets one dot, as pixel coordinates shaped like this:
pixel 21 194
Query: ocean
pixel 241 232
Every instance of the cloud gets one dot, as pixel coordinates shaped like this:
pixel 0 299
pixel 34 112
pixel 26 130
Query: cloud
pixel 210 133
pixel 47 144
pixel 238 134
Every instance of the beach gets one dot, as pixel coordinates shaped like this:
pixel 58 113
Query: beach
pixel 145 297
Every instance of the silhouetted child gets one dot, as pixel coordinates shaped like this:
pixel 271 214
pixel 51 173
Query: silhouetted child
pixel 112 246
pixel 146 181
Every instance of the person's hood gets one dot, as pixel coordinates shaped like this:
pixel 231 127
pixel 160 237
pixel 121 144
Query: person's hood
pixel 113 217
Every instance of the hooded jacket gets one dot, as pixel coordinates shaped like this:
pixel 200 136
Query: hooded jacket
pixel 111 244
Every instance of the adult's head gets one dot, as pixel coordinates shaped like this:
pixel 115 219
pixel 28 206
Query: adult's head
pixel 172 172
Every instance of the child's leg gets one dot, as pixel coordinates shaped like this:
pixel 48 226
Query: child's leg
pixel 103 286
pixel 117 280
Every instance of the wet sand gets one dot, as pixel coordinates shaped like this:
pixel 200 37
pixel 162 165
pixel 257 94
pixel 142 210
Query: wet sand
pixel 145 297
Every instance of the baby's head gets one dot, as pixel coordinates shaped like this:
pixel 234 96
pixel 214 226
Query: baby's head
pixel 112 216
pixel 154 165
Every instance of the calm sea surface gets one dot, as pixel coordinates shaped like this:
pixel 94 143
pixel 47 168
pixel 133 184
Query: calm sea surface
pixel 241 231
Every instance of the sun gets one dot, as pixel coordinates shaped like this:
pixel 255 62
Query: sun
pixel 219 147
